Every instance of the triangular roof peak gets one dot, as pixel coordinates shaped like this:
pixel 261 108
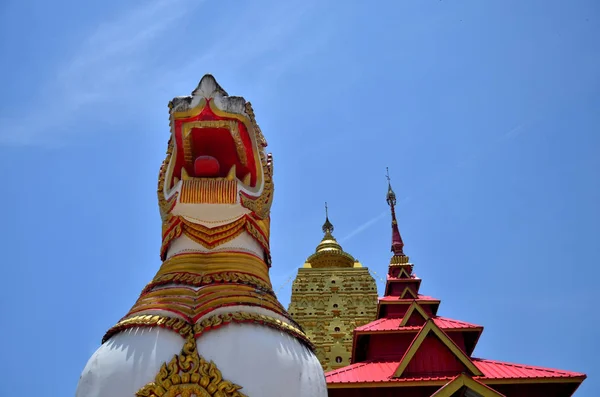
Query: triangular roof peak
pixel 414 307
pixel 428 328
pixel 408 291
pixel 465 381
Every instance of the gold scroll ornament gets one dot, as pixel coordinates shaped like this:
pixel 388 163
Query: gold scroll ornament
pixel 189 374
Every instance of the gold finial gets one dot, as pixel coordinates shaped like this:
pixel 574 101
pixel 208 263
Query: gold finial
pixel 327 226
pixel 391 196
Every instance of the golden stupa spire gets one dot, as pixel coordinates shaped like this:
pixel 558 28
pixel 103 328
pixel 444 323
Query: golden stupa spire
pixel 329 252
pixel 327 226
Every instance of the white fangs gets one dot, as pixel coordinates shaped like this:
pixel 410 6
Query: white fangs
pixel 246 180
pixel 184 175
pixel 231 174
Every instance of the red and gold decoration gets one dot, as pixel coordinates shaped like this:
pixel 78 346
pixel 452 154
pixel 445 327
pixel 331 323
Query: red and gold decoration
pixel 176 226
pixel 411 351
pixel 332 294
pixel 214 185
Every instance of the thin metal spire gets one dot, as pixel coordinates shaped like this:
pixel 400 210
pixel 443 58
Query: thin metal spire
pixel 327 226
pixel 397 243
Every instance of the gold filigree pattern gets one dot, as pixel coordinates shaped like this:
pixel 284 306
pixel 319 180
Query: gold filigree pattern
pixel 165 206
pixel 189 374
pixel 259 135
pixel 261 206
pixel 185 329
pixel 219 320
pixel 216 262
pixel 192 304
pixel 181 327
pixel 329 303
pixel 198 280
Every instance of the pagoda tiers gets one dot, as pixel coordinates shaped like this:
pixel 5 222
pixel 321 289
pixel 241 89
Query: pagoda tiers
pixel 332 294
pixel 411 351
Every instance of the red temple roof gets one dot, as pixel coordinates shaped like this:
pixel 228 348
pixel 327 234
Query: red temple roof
pixel 390 298
pixel 409 345
pixel 393 324
pixel 383 371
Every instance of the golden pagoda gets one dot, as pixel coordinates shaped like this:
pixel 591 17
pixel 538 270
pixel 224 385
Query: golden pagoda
pixel 332 294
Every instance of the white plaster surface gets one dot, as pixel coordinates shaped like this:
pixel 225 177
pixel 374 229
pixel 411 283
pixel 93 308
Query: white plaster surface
pixel 127 362
pixel 264 361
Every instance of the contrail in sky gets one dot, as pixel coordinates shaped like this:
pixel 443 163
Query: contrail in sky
pixel 513 133
pixel 364 226
pixel 370 222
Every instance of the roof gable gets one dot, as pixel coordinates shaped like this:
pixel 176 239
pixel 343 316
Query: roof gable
pixel 402 274
pixel 415 310
pixel 408 293
pixel 462 382
pixel 428 329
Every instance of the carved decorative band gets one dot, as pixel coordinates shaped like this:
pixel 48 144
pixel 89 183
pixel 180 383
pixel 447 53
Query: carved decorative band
pixel 199 280
pixel 209 191
pixel 181 327
pixel 216 321
pixel 216 262
pixel 184 328
pixel 399 260
pixel 192 305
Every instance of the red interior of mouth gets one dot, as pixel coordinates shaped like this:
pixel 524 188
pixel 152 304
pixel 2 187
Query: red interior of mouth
pixel 214 151
pixel 218 144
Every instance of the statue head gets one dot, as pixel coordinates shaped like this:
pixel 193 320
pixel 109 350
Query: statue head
pixel 216 181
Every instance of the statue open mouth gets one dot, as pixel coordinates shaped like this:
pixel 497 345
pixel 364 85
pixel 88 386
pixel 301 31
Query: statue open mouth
pixel 215 149
pixel 213 146
pixel 216 182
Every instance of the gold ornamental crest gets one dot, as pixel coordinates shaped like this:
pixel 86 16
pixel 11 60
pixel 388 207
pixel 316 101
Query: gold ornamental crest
pixel 190 375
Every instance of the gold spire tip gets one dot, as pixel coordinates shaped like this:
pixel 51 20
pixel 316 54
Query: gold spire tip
pixel 327 226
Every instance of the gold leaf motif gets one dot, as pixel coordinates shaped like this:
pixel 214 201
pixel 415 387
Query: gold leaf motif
pixel 261 206
pixel 189 374
pixel 218 320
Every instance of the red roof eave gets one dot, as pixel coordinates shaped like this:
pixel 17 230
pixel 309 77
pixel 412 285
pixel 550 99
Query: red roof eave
pixel 393 325
pixel 375 373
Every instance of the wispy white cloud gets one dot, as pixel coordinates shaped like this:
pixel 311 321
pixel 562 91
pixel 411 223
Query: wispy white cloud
pixel 107 58
pixel 124 60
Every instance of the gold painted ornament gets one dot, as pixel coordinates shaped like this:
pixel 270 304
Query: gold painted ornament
pixel 190 375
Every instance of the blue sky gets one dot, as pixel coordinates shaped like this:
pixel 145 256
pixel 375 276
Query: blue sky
pixel 486 113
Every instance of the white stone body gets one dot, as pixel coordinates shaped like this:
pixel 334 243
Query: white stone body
pixel 266 362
